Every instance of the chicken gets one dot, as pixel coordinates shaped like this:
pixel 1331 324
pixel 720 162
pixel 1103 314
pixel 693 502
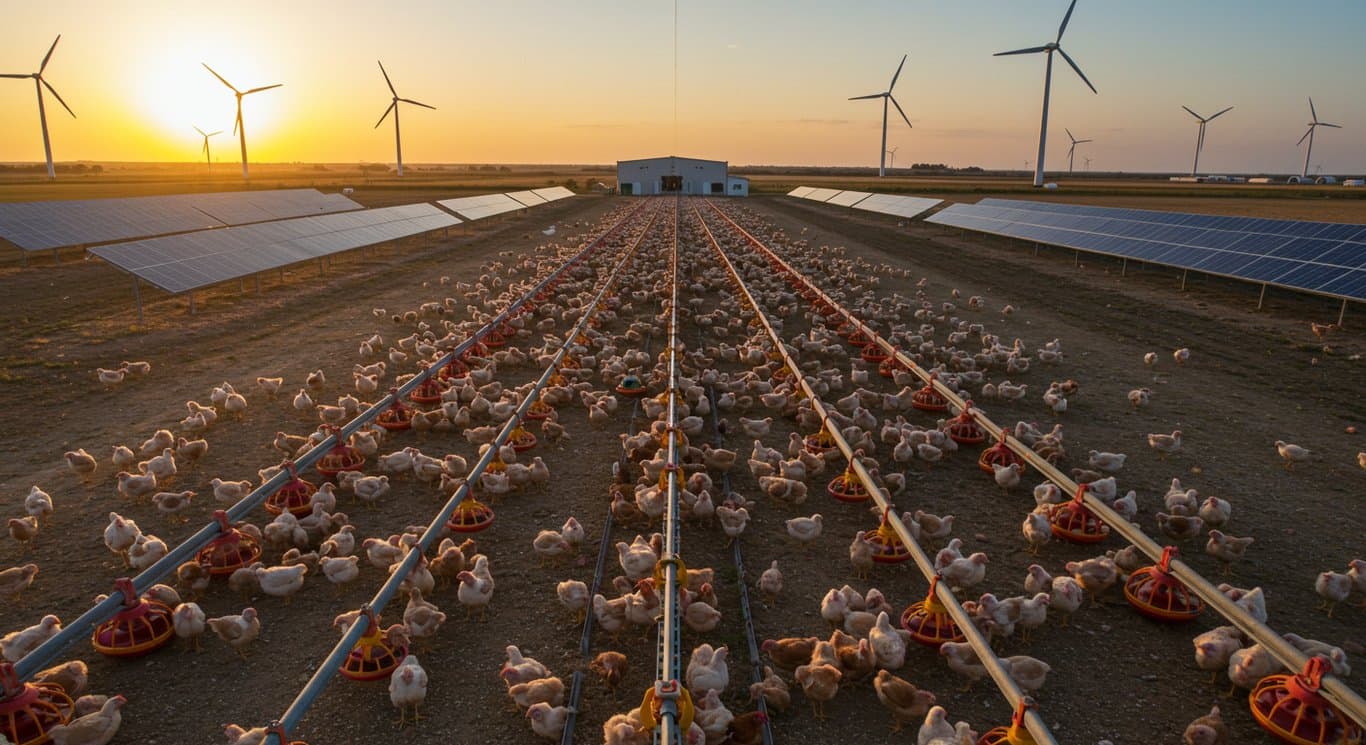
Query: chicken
pixel 1165 444
pixel 110 378
pixel 1065 597
pixel 408 687
pixel 1333 588
pixel 573 595
pixel 1336 656
pixel 861 555
pixel 228 492
pixel 611 667
pixel 518 668
pixel 1226 548
pixel 135 487
pixel 963 660
pixel 936 729
pixel 1180 527
pixel 71 676
pixel 340 570
pixel 548 721
pixel 1291 454
pixel 789 653
pixel 15 645
pixel 905 701
pixel 855 656
pixel 804 530
pixel 238 631
pixel 475 592
pixel 81 463
pixel 1007 477
pixel 932 527
pixel 820 683
pixel 173 504
pixel 422 618
pixel 23 530
pixel 15 580
pixel 746 729
pixel 770 583
pixel 713 717
pixel 887 644
pixel 1027 672
pixel 707 669
pixel 146 550
pixel 1139 397
pixel 282 581
pixel 97 728
pixel 1181 356
pixel 773 689
pixel 1106 462
pixel 193 578
pixel 1215 512
pixel 1038 531
pixel 967 572
pixel 733 521
pixel 550 545
pixel 1249 665
pixel 1095 575
pixel 700 617
pixel 1207 730
pixel 189 623
pixel 38 504
pixel 549 690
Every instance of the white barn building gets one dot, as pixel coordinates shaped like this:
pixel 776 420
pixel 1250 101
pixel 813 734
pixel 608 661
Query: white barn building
pixel 674 175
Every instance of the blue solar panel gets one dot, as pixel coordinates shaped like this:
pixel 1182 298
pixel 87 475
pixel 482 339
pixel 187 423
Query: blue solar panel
pixel 1314 256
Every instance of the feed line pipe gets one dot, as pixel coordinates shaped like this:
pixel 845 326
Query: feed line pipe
pixel 1333 688
pixel 999 675
pixel 674 703
pixel 81 628
pixel 328 669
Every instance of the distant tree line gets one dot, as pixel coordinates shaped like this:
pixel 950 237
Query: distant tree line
pixel 77 168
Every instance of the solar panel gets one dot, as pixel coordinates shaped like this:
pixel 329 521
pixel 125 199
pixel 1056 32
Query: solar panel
pixel 800 192
pixel 893 204
pixel 553 193
pixel 821 194
pixel 848 198
pixel 1324 258
pixel 37 226
pixel 484 205
pixel 181 263
pixel 528 198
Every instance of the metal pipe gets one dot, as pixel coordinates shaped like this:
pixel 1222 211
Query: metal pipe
pixel 1342 696
pixel 81 628
pixel 670 652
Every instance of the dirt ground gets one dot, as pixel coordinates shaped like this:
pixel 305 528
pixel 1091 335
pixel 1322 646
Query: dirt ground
pixel 1254 377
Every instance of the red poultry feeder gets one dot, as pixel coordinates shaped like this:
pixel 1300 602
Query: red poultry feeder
pixel 929 399
pixel 477 349
pixel 296 495
pixel 1155 593
pixel 887 545
pixel 373 658
pixel 520 439
pixel 428 392
pixel 888 367
pixel 456 368
pixel 857 338
pixel 874 353
pixel 29 710
pixel 1291 708
pixel 494 339
pixel 929 621
pixel 1015 734
pixel 964 429
pixel 141 627
pixel 632 387
pixel 397 416
pixel 569 362
pixel 342 457
pixel 999 454
pixel 819 443
pixel 847 487
pixel 1072 521
pixel 539 410
pixel 230 551
pixel 277 728
pixel 470 516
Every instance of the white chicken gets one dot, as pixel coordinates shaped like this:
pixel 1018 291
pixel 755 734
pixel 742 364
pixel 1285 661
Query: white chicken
pixel 408 688
pixel 805 530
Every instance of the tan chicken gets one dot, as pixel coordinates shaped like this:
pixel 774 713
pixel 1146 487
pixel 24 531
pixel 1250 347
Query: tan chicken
pixel 861 555
pixel 548 690
pixel 789 653
pixel 408 688
pixel 1180 527
pixel 282 581
pixel 967 572
pixel 773 689
pixel 1207 730
pixel 1291 454
pixel 38 503
pixel 906 702
pixel 805 530
pixel 770 583
pixel 15 645
pixel 1165 444
pixel 71 676
pixel 1333 588
pixel 189 623
pixel 475 592
pixel 548 721
pixel 1027 672
pixel 81 463
pixel 97 728
pixel 520 668
pixel 1226 548
pixel 1214 648
pixel 239 631
pixel 174 504
pixel 963 660
pixel 422 618
pixel 23 530
pixel 15 580
pixel 1095 575
pixel 611 667
pixel 819 683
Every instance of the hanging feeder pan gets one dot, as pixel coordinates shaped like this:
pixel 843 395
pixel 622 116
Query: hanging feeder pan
pixel 569 362
pixel 1155 593
pixel 142 626
pixel 456 368
pixel 470 516
pixel 539 410
pixel 494 339
pixel 1015 734
pixel 888 367
pixel 929 621
pixel 1072 521
pixel 281 736
pixel 819 443
pixel 372 658
pixel 520 439
pixel 29 710
pixel 999 454
pixel 427 392
pixel 847 487
pixel 342 457
pixel 556 378
pixel 396 417
pixel 782 373
pixel 296 495
pixel 631 386
pixel 874 353
pixel 230 551
pixel 1291 708
pixel 964 429
pixel 887 545
pixel 929 399
pixel 477 349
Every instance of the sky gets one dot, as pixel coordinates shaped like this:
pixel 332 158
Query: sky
pixel 758 81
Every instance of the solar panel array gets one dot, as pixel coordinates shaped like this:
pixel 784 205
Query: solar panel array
pixel 886 204
pixel 488 205
pixel 528 198
pixel 553 193
pixel 1319 257
pixel 38 226
pixel 181 263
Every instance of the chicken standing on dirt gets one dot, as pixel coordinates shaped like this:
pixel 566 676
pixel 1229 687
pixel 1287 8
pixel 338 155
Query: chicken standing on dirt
pixel 238 631
pixel 92 729
pixel 905 701
pixel 408 687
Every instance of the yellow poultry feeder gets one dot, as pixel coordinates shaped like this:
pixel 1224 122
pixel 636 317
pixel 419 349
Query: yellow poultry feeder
pixel 929 399
pixel 230 551
pixel 1291 708
pixel 539 410
pixel 1155 593
pixel 999 454
pixel 470 516
pixel 847 487
pixel 373 658
pixel 964 429
pixel 1015 734
pixel 29 710
pixel 929 621
pixel 520 439
pixel 569 362
pixel 295 495
pixel 819 443
pixel 887 545
pixel 1072 521
pixel 142 626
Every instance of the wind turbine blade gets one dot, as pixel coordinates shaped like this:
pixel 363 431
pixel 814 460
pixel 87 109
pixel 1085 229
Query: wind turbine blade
pixel 15 75
pixel 1071 150
pixel 200 131
pixel 855 98
pixel 262 88
pixel 386 78
pixel 1197 116
pixel 59 97
pixel 385 115
pixel 1081 141
pixel 898 72
pixel 1069 134
pixel 1063 26
pixel 220 77
pixel 217 132
pixel 1306 135
pixel 1326 124
pixel 238 121
pixel 417 103
pixel 899 111
pixel 48 56
pixel 1312 114
pixel 1225 111
pixel 1029 50
pixel 1078 69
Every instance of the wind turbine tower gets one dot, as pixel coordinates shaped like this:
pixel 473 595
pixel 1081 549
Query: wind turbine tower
pixel 887 96
pixel 207 162
pixel 1071 151
pixel 1048 50
pixel 39 83
pixel 393 106
pixel 1200 140
pixel 238 128
pixel 1304 172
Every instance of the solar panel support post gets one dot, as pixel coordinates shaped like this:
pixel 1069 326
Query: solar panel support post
pixel 192 306
pixel 1342 312
pixel 1076 258
pixel 257 277
pixel 56 256
pixel 137 295
pixel 1261 296
pixel 1183 278
pixel 1124 268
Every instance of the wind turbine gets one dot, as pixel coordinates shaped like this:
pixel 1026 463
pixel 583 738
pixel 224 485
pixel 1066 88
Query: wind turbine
pixel 1200 141
pixel 207 135
pixel 237 126
pixel 887 96
pixel 1088 165
pixel 393 106
pixel 39 83
pixel 892 153
pixel 1048 49
pixel 1072 150
pixel 1303 173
